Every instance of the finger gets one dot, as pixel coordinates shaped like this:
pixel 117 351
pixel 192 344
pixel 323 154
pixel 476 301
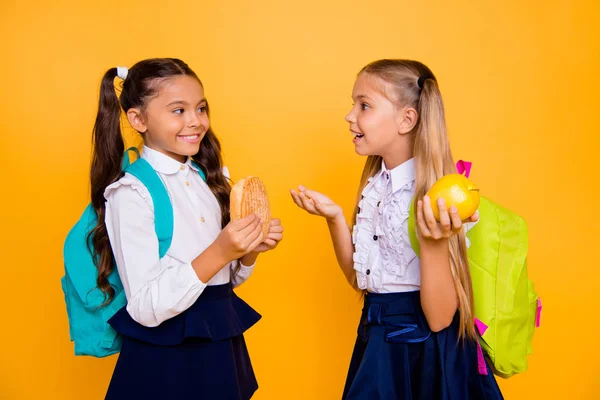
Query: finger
pixel 296 198
pixel 275 236
pixel 256 242
pixel 276 225
pixel 474 217
pixel 421 220
pixel 318 205
pixel 321 209
pixel 243 223
pixel 270 243
pixel 445 224
pixel 308 204
pixel 275 222
pixel 316 196
pixel 246 231
pixel 276 229
pixel 252 235
pixel 455 218
pixel 428 214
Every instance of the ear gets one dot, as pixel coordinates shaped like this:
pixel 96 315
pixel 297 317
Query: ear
pixel 136 120
pixel 406 119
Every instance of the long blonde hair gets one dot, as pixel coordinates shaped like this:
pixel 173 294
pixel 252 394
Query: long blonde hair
pixel 433 158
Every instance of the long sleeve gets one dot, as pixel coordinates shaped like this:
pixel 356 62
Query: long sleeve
pixel 243 273
pixel 156 289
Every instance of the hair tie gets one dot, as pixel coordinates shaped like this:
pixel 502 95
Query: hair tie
pixel 421 81
pixel 122 72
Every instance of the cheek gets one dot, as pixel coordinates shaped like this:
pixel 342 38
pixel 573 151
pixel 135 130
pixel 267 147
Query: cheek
pixel 205 122
pixel 173 123
pixel 164 122
pixel 368 124
pixel 170 129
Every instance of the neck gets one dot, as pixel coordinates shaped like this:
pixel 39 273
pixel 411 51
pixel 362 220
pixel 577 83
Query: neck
pixel 394 159
pixel 397 152
pixel 177 157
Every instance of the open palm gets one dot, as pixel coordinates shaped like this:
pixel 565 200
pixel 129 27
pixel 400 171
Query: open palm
pixel 315 203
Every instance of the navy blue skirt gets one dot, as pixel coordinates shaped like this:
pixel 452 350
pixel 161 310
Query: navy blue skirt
pixel 396 356
pixel 199 354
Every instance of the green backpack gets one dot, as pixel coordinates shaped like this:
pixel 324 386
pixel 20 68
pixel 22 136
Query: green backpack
pixel 507 309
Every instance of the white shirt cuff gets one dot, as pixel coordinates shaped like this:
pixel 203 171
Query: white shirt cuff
pixel 243 273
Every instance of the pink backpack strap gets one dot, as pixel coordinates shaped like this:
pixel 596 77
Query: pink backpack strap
pixel 464 167
pixel 480 326
pixel 480 329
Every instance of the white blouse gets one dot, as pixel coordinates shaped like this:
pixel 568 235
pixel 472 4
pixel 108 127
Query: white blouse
pixel 384 259
pixel 159 289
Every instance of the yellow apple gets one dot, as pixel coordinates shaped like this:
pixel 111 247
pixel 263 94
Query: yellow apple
pixel 456 190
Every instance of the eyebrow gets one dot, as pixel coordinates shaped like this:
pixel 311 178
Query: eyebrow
pixel 184 102
pixel 363 96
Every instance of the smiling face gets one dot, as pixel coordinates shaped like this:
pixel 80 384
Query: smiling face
pixel 174 121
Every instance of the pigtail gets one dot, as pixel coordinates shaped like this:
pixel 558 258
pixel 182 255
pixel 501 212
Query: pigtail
pixel 106 168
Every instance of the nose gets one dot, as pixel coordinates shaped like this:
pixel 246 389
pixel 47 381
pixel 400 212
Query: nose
pixel 194 121
pixel 350 117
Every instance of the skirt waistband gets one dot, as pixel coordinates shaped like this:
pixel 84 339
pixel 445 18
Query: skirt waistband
pixel 400 315
pixel 217 314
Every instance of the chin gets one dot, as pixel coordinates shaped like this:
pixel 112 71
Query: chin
pixel 362 152
pixel 186 151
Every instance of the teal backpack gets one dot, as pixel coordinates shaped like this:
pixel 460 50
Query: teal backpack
pixel 507 309
pixel 88 319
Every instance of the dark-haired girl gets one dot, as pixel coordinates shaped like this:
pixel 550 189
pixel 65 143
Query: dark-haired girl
pixel 183 325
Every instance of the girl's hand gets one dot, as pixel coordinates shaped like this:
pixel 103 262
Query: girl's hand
pixel 273 238
pixel 239 238
pixel 316 203
pixel 450 223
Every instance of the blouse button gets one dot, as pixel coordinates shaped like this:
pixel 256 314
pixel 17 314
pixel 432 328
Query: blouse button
pixel 187 184
pixel 182 168
pixel 374 237
pixel 368 272
pixel 202 219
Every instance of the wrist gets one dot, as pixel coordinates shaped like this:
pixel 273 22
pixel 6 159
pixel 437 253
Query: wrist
pixel 207 263
pixel 219 253
pixel 249 259
pixel 433 245
pixel 338 219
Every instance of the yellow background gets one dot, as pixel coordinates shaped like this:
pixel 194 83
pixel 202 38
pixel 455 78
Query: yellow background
pixel 520 83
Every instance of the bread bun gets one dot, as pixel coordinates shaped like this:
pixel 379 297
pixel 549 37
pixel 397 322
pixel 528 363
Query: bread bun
pixel 249 196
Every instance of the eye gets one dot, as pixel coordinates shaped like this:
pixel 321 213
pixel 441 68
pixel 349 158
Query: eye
pixel 364 106
pixel 202 108
pixel 178 111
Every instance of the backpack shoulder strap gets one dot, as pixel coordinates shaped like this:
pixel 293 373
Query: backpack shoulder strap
pixel 163 210
pixel 200 170
pixel 412 229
